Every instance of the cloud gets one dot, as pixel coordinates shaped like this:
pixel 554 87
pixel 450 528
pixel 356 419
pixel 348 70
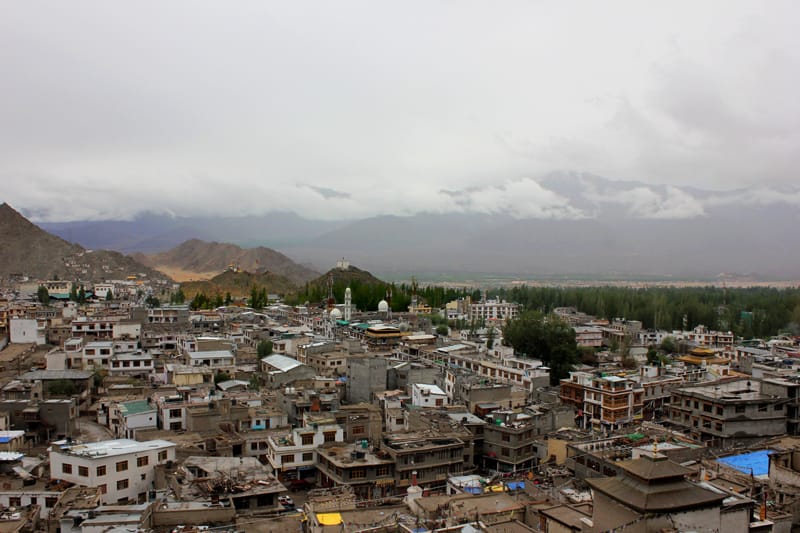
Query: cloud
pixel 648 203
pixel 327 193
pixel 333 112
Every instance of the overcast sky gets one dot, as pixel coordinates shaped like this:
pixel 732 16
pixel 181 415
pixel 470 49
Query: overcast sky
pixel 348 109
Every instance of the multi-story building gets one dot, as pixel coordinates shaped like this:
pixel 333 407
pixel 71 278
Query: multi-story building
pixel 293 454
pixel 369 474
pixel 168 314
pixel 493 311
pixel 723 412
pixel 612 402
pixel 433 458
pixel 123 469
pixel 588 336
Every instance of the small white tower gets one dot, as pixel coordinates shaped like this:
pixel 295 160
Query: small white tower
pixel 348 304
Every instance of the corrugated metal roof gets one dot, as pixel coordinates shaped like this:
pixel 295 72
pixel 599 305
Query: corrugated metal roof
pixel 281 362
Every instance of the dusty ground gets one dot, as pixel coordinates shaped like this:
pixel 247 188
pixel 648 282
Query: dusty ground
pixel 180 275
pixel 19 358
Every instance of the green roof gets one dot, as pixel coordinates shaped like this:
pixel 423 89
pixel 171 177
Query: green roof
pixel 135 407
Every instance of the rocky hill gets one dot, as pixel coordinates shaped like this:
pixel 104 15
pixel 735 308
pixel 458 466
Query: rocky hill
pixel 238 284
pixel 196 259
pixel 28 250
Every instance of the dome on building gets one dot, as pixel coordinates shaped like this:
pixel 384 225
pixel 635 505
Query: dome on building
pixel 383 306
pixel 335 314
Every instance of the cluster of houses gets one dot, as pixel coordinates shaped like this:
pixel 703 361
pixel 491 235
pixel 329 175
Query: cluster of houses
pixel 154 418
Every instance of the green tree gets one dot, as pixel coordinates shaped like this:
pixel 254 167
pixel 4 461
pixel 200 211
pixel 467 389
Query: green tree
pixel 73 292
pixel 668 345
pixel 152 301
pixel 109 296
pixel 264 348
pixel 219 377
pixel 228 298
pixel 490 338
pixel 62 387
pixel 442 330
pixel 82 295
pixel 43 295
pixel 547 338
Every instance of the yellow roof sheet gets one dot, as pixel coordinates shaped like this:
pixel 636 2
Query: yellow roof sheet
pixel 329 519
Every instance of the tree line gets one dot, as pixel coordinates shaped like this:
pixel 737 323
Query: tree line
pixel 747 312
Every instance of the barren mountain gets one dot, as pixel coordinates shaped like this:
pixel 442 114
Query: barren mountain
pixel 196 259
pixel 238 284
pixel 27 249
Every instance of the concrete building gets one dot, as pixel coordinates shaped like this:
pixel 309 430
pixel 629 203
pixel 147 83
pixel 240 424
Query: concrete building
pixel 365 377
pixel 27 330
pixel 369 475
pixel 125 418
pixel 123 469
pixel 724 412
pixel 292 455
pixel 426 395
pixel 282 370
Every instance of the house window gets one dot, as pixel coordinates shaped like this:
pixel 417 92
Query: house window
pixel 66 468
pixel 14 501
pixel 122 466
pixel 101 470
pixel 50 501
pixel 719 410
pixel 762 408
pixel 122 484
pixel 439 402
pixel 308 456
pixel 382 471
pixel 162 455
pixel 358 473
pixel 740 409
pixel 330 436
pixel 308 438
pixel 103 488
pixel 358 430
pixel 287 459
pixel 142 461
pixel 505 437
pixel 175 413
pixel 83 471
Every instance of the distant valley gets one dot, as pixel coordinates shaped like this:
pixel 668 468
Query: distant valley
pixel 620 230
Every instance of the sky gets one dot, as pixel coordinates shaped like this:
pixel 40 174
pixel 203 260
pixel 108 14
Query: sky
pixel 348 109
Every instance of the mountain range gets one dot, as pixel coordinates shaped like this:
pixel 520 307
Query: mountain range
pixel 196 259
pixel 595 228
pixel 26 249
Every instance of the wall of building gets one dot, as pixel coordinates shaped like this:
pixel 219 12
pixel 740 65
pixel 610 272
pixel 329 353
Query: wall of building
pixel 193 517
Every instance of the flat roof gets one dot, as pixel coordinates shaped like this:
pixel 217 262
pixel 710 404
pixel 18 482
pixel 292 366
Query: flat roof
pixel 114 447
pixel 135 407
pixel 33 375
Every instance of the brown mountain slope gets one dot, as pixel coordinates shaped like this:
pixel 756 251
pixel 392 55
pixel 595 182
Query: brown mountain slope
pixel 238 284
pixel 27 249
pixel 200 259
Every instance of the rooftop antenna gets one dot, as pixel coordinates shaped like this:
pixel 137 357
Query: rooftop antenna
pixel 389 301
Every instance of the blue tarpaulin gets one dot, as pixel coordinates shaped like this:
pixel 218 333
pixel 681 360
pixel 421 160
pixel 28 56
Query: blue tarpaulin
pixel 515 485
pixel 756 463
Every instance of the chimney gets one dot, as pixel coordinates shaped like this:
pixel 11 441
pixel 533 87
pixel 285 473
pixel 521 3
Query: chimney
pixel 413 478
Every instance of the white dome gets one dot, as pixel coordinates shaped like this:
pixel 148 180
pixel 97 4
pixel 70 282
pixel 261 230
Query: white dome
pixel 348 292
pixel 335 314
pixel 383 306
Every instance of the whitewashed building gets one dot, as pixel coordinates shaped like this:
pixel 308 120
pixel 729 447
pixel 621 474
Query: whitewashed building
pixel 123 469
